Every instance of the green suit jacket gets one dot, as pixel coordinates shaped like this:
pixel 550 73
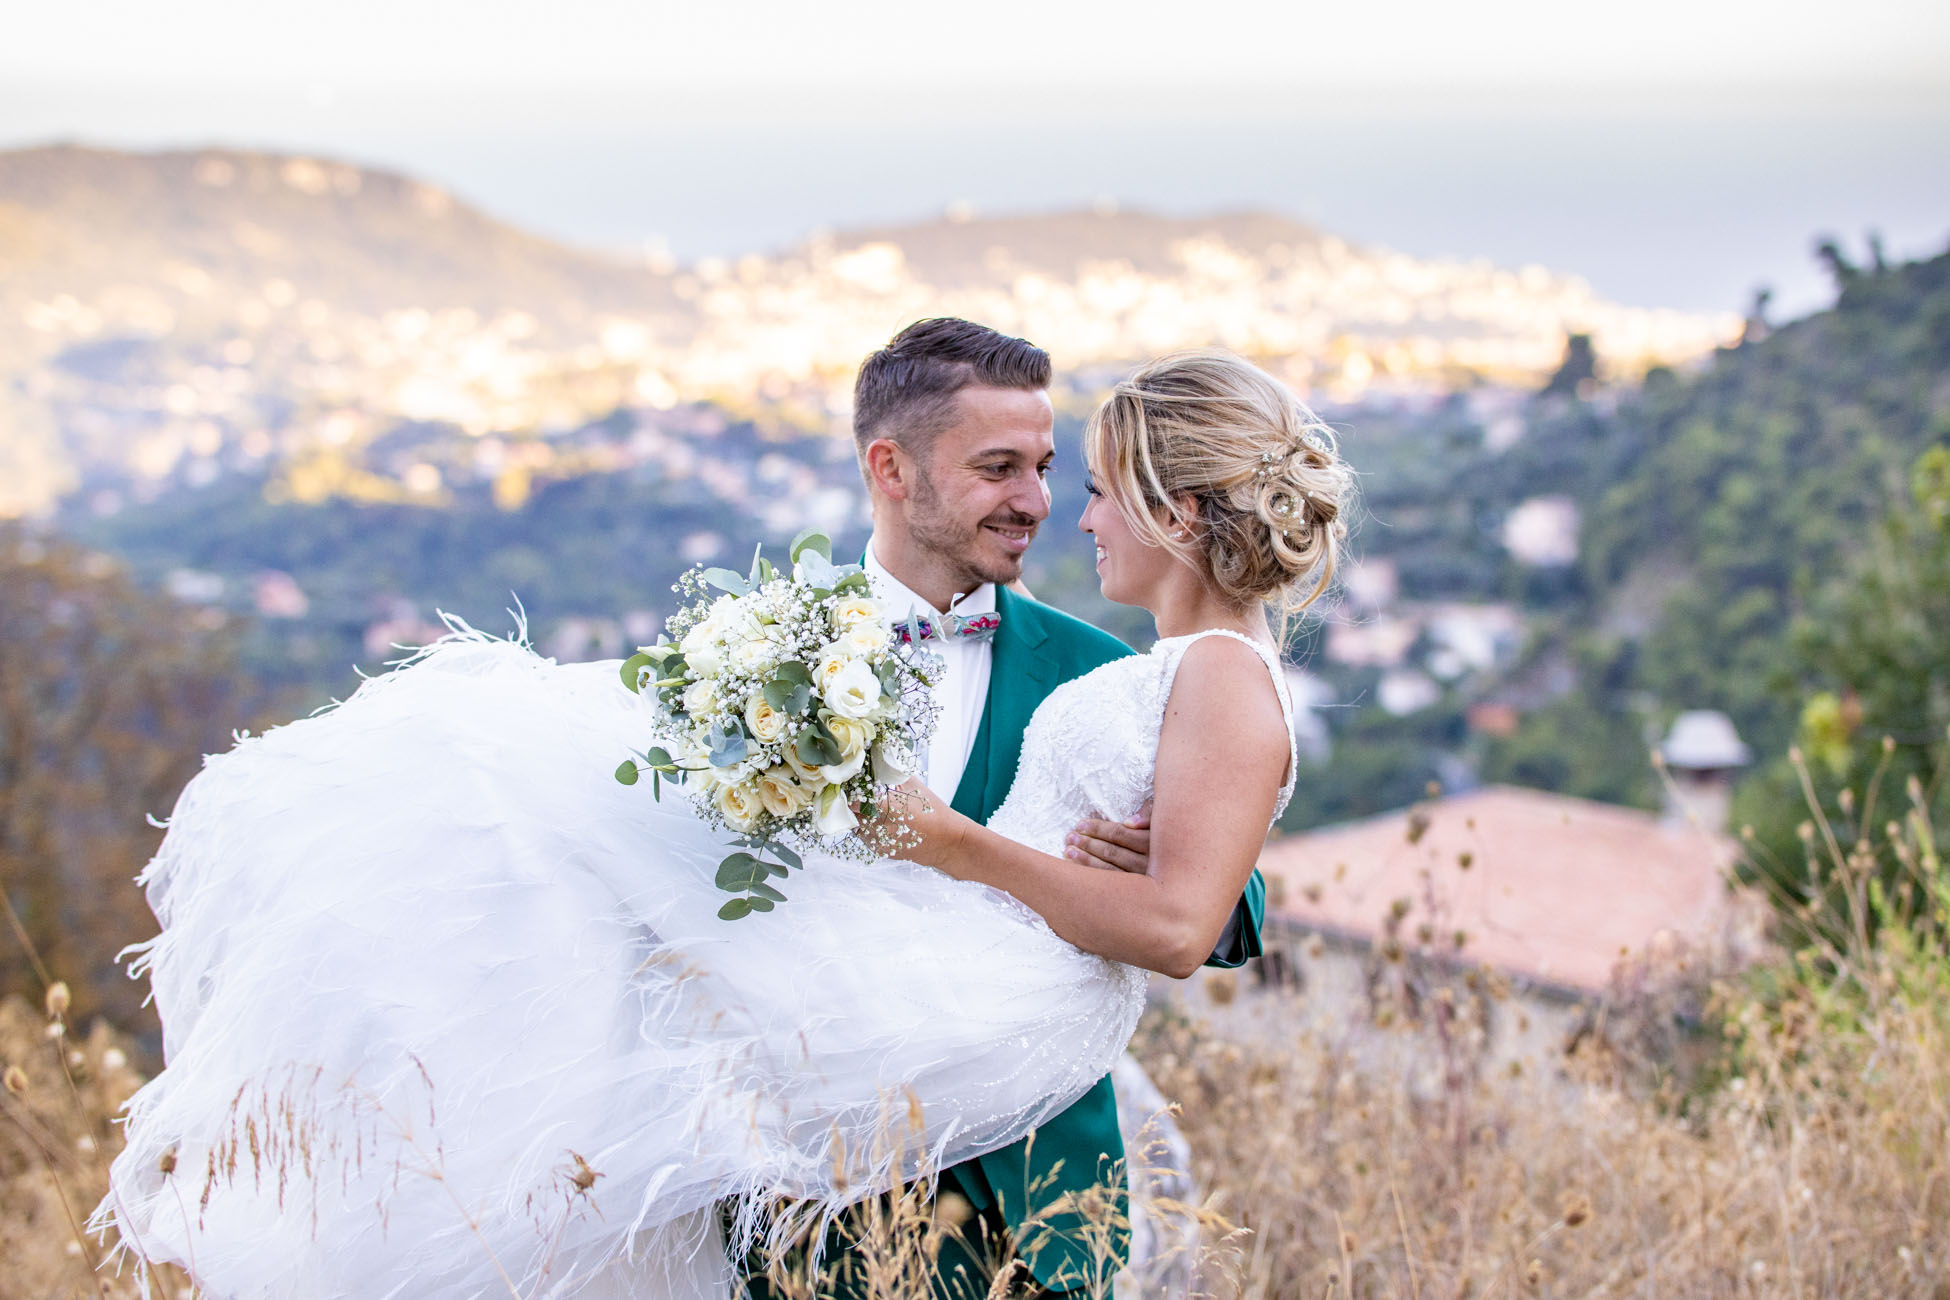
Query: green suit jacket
pixel 1035 650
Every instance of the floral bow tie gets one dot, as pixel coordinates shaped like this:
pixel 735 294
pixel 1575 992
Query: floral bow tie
pixel 942 626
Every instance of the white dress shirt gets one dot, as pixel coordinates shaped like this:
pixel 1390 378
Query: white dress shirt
pixel 963 690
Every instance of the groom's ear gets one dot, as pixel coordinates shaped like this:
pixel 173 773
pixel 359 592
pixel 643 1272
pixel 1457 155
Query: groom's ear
pixel 890 470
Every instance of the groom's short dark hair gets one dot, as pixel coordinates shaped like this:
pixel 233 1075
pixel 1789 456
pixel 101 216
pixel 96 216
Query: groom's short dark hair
pixel 906 391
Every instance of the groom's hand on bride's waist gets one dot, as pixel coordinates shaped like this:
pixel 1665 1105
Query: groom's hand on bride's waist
pixel 1115 846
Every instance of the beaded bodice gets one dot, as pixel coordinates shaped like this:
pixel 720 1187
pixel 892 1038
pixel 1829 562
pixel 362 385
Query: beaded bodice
pixel 1091 749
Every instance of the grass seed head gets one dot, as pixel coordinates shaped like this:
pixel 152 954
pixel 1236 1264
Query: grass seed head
pixel 58 1000
pixel 16 1081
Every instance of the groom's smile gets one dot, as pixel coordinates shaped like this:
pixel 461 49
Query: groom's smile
pixel 1014 536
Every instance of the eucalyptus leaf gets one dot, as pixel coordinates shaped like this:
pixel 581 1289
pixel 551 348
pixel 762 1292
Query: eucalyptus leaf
pixel 632 670
pixel 788 696
pixel 793 671
pixel 787 856
pixel 814 540
pixel 737 872
pixel 735 908
pixel 816 747
pixel 626 772
pixel 816 569
pixel 763 890
pixel 726 580
pixel 657 756
pixel 727 745
pixel 758 904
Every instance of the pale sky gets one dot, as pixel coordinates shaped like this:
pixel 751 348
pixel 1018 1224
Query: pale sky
pixel 775 48
pixel 1678 152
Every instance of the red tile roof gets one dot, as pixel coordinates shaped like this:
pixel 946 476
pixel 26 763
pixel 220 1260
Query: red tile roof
pixel 1554 888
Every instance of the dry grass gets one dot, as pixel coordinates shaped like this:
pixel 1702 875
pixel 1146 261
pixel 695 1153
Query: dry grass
pixel 1805 1151
pixel 62 1090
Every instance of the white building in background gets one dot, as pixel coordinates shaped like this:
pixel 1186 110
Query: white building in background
pixel 1543 531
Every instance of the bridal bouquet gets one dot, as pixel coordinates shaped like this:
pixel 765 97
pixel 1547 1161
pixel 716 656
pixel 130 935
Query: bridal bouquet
pixel 783 702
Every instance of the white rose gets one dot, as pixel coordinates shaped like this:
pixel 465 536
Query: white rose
pixel 702 650
pixel 780 794
pixel 765 723
pixel 862 640
pixel 737 621
pixel 807 775
pixel 754 653
pixel 854 737
pixel 700 632
pixel 700 696
pixel 740 805
pixel 854 690
pixel 893 762
pixel 834 815
pixel 830 667
pixel 855 610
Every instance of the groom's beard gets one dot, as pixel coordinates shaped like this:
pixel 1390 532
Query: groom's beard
pixel 966 547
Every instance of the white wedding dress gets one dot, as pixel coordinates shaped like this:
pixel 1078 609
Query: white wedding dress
pixel 448 1012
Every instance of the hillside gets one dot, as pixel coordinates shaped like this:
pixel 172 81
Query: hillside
pixel 167 319
pixel 1715 507
pixel 183 237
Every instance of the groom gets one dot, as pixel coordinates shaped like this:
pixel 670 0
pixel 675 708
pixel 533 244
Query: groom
pixel 953 426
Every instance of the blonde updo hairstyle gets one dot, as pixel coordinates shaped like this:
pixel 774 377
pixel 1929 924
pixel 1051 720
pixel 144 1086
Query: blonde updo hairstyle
pixel 1208 445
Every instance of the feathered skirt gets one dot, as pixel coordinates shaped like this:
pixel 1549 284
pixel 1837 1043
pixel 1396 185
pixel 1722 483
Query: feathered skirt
pixel 449 1012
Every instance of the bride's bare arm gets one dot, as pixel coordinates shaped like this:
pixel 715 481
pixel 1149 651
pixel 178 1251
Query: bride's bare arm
pixel 1222 757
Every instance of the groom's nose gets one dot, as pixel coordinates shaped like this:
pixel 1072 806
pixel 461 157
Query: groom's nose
pixel 1030 497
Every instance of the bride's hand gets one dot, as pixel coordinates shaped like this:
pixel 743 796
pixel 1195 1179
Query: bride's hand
pixel 1113 846
pixel 913 823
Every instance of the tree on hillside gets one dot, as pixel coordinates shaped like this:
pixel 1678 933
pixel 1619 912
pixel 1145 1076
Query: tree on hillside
pixel 1872 665
pixel 109 698
pixel 1577 371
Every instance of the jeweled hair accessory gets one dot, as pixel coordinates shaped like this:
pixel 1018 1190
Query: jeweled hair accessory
pixel 1316 441
pixel 1269 465
pixel 1290 513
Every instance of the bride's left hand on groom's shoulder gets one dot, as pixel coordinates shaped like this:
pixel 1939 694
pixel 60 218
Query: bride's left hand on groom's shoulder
pixel 1112 846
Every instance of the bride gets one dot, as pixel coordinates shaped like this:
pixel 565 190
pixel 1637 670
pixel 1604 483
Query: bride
pixel 448 1012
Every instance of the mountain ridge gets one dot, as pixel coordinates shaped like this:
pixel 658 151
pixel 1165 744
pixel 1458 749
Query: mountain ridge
pixel 166 313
